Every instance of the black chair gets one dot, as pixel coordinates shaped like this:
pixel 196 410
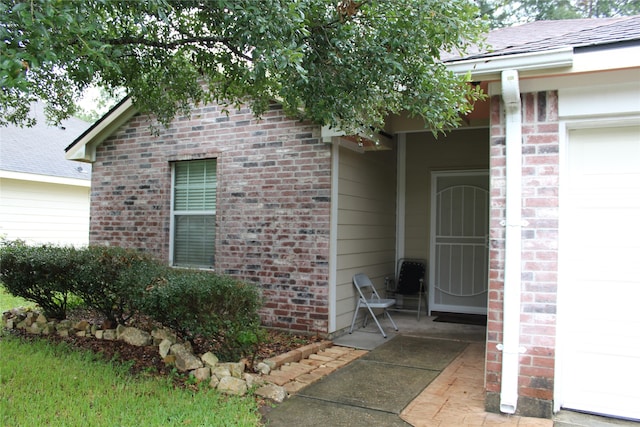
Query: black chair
pixel 409 283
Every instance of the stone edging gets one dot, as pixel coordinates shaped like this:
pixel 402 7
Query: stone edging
pixel 269 380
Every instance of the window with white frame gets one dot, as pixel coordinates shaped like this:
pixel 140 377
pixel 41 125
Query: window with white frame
pixel 193 213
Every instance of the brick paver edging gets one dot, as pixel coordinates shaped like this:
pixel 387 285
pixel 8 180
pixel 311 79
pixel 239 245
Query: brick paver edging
pixel 297 354
pixel 298 368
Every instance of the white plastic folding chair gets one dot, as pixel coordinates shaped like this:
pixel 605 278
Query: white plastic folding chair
pixel 362 283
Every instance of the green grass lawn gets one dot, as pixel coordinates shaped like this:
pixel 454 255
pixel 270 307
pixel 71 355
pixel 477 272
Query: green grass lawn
pixel 8 301
pixel 45 384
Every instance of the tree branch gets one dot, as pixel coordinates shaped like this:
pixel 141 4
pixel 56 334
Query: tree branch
pixel 207 41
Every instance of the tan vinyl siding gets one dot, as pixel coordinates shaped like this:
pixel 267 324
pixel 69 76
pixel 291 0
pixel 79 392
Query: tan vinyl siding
pixel 39 212
pixel 459 150
pixel 366 223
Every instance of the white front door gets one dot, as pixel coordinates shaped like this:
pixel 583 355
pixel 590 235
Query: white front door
pixel 458 274
pixel 599 284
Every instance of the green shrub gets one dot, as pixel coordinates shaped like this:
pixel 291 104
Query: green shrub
pixel 113 280
pixel 119 283
pixel 200 304
pixel 42 274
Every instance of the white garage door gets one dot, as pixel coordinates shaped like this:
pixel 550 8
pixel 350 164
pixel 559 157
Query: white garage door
pixel 599 307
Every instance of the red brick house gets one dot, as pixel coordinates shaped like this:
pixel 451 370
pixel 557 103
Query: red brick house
pixel 529 212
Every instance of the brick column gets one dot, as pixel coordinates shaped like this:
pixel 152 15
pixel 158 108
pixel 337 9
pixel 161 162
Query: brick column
pixel 539 253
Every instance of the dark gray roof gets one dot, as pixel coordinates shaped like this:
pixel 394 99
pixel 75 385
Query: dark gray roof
pixel 548 35
pixel 40 149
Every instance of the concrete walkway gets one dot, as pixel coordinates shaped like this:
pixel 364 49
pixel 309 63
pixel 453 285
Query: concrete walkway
pixel 373 389
pixel 429 374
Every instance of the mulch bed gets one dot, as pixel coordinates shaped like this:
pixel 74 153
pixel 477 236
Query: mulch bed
pixel 147 360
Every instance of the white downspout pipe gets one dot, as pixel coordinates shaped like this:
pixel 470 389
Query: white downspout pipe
pixel 513 243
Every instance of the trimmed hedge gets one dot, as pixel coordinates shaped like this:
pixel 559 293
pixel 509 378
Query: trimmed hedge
pixel 120 283
pixel 113 280
pixel 200 304
pixel 41 274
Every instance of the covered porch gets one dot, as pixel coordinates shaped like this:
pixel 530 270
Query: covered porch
pixel 411 195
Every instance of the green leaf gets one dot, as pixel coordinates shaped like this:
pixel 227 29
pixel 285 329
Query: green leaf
pixel 347 67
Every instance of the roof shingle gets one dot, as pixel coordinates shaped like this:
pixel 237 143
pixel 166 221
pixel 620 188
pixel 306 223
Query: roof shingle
pixel 548 35
pixel 40 149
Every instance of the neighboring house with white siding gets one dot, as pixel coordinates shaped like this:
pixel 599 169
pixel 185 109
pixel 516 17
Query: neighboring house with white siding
pixel 44 198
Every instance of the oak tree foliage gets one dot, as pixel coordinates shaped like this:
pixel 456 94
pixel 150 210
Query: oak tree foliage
pixel 343 63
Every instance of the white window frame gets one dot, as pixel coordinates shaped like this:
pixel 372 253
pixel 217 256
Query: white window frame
pixel 174 213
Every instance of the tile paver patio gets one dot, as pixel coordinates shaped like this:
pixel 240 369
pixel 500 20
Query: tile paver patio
pixel 456 398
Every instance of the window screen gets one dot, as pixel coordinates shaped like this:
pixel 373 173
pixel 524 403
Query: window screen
pixel 194 213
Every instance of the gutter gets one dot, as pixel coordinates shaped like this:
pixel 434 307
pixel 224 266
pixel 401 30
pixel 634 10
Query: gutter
pixel 513 244
pixel 486 66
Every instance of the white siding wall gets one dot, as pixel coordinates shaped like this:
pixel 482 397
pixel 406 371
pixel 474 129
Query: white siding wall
pixel 366 224
pixel 459 150
pixel 40 212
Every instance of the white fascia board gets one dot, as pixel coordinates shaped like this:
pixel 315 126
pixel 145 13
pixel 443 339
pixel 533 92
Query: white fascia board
pixel 45 179
pixel 610 58
pixel 573 79
pixel 331 135
pixel 84 149
pixel 327 133
pixel 487 68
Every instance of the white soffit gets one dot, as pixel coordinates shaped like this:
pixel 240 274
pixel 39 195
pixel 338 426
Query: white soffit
pixel 84 148
pixel 359 143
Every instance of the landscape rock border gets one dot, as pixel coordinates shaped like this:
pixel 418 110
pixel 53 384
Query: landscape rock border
pixel 228 377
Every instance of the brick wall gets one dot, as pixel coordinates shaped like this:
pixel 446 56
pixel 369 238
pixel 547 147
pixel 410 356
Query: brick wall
pixel 272 222
pixel 539 253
